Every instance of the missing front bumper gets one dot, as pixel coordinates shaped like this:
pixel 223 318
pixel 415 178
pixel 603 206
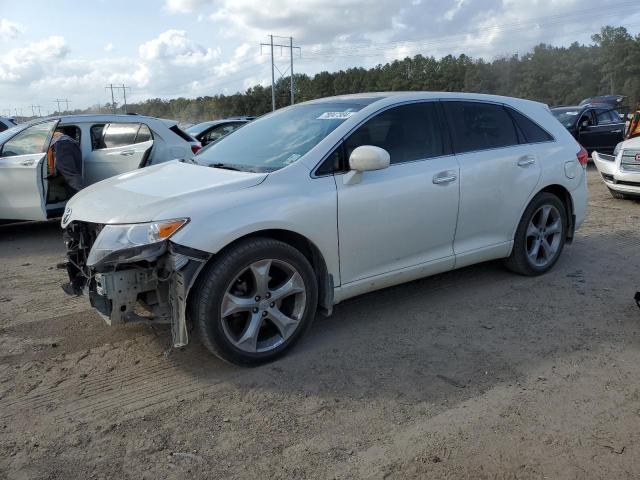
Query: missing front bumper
pixel 154 292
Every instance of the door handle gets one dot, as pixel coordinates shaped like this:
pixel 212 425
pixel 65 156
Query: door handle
pixel 616 131
pixel 526 161
pixel 127 153
pixel 444 178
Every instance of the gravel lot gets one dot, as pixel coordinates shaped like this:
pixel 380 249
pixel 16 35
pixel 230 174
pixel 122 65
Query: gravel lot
pixel 476 373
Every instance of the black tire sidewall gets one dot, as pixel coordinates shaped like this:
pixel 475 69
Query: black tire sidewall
pixel 520 248
pixel 217 279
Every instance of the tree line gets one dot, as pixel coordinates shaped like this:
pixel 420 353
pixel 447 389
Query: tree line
pixel 549 74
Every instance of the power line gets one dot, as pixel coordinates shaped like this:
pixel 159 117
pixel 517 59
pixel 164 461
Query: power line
pixel 273 66
pixel 33 110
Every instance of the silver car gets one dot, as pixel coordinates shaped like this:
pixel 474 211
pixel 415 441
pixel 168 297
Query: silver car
pixel 110 145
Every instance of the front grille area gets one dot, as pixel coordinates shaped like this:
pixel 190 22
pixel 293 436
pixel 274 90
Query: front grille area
pixel 79 237
pixel 629 157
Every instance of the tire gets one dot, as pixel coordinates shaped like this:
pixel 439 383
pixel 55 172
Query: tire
pixel 549 237
pixel 241 307
pixel 617 195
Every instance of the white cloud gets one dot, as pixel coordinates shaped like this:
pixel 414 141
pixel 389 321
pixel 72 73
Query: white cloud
pixel 173 46
pixel 9 30
pixel 33 61
pixel 108 47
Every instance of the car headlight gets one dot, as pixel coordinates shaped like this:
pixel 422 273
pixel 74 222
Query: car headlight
pixel 617 149
pixel 133 242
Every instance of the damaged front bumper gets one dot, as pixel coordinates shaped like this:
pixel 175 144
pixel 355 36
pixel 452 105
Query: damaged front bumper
pixel 152 290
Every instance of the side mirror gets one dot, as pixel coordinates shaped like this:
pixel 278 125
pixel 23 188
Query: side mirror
pixel 363 159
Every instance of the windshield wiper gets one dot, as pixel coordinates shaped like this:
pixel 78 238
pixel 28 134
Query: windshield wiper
pixel 225 166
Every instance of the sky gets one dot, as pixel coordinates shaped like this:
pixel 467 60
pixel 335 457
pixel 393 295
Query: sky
pixel 170 48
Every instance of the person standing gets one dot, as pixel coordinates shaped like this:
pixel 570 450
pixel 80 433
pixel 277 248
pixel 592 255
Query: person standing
pixel 67 160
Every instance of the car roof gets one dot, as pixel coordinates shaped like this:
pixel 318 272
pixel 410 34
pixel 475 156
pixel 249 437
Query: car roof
pixel 133 118
pixel 372 97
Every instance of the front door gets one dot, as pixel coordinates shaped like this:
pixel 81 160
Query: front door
pixel 404 215
pixel 23 173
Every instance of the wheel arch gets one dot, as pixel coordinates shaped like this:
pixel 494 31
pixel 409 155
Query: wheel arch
pixel 565 197
pixel 301 243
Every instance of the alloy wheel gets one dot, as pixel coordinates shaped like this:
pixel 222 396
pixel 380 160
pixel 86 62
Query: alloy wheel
pixel 263 306
pixel 544 235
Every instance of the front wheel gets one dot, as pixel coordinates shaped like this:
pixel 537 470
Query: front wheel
pixel 540 236
pixel 255 301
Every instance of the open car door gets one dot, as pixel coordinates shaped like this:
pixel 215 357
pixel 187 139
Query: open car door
pixel 23 172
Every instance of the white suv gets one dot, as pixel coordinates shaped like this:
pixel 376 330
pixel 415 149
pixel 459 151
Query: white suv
pixel 110 145
pixel 321 201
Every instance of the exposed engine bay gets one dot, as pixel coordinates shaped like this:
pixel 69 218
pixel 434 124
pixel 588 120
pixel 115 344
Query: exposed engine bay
pixel 143 284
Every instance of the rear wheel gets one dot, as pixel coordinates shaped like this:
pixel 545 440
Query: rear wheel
pixel 540 236
pixel 255 301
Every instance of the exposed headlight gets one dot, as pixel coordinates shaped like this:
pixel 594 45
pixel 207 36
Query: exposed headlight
pixel 133 242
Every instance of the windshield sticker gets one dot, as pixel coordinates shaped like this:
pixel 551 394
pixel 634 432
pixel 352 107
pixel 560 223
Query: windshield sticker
pixel 335 115
pixel 570 113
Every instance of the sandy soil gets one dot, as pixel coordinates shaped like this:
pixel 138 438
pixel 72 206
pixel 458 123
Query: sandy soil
pixel 476 373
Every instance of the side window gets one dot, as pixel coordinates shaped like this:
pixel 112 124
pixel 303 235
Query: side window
pixel 408 132
pixel 34 139
pixel 97 132
pixel 479 126
pixel 221 131
pixel 119 134
pixel 333 163
pixel 532 132
pixel 604 117
pixel 3 127
pixel 144 134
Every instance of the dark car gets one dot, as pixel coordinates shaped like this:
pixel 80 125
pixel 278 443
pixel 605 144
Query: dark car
pixel 207 132
pixel 6 123
pixel 595 126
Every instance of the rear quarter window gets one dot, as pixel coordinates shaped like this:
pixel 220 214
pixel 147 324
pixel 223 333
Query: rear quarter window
pixel 530 130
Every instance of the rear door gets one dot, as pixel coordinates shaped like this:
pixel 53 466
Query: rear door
pixel 610 129
pixel 23 172
pixel 497 174
pixel 116 148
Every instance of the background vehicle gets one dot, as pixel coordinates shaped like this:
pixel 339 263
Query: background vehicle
pixel 621 171
pixel 322 201
pixel 110 145
pixel 207 132
pixel 594 126
pixel 6 123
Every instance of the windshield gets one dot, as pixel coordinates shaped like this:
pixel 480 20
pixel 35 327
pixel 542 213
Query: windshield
pixel 10 132
pixel 278 139
pixel 566 116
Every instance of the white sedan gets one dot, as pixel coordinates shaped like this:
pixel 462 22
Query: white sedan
pixel 322 201
pixel 621 171
pixel 110 145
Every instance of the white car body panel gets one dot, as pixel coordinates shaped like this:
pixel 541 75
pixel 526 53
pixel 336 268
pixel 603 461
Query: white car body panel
pixel 23 190
pixel 613 170
pixel 382 231
pixel 22 187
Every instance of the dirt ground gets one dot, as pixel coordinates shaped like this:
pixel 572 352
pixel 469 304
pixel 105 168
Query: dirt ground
pixel 476 373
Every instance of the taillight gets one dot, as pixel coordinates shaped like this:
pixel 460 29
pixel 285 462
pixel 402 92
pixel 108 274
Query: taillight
pixel 195 148
pixel 583 156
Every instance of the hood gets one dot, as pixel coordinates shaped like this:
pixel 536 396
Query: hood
pixel 631 143
pixel 149 193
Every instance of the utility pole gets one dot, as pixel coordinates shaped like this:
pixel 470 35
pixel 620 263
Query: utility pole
pixel 291 47
pixel 66 101
pixel 33 109
pixel 124 89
